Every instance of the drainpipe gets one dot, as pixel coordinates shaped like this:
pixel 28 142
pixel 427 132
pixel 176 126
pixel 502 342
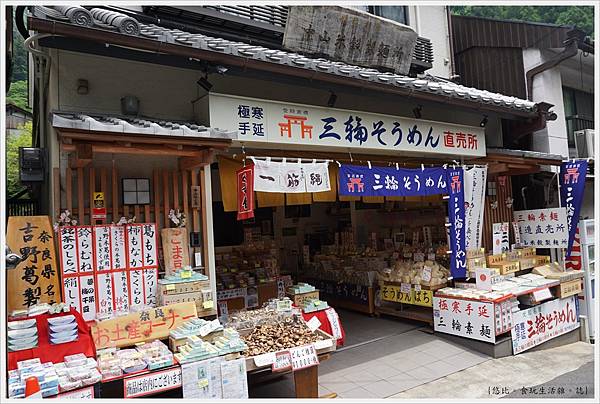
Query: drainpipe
pixel 570 50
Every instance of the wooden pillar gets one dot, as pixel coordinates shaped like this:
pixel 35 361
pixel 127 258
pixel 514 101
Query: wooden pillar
pixel 306 382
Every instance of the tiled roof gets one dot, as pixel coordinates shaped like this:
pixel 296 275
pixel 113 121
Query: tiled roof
pixel 134 125
pixel 442 88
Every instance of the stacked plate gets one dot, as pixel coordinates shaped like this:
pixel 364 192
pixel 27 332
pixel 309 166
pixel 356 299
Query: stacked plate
pixel 22 335
pixel 62 329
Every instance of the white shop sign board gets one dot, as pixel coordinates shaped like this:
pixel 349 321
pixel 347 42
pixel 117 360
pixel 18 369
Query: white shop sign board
pixel 152 383
pixel 543 322
pixel 543 228
pixel 465 318
pixel 284 123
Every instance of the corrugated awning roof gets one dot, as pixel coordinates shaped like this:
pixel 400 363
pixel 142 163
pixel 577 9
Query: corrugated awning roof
pixel 112 22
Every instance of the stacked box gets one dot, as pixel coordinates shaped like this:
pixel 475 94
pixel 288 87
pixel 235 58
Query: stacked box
pixel 502 264
pixel 195 291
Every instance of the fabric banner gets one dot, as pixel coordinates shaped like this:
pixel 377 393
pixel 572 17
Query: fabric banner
pixel 291 178
pixel 245 193
pixel 543 228
pixel 456 215
pixel 389 181
pixel 266 176
pixel 317 177
pixel 475 181
pixel 572 185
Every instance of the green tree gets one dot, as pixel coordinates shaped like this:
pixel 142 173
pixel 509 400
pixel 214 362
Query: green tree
pixel 13 142
pixel 18 94
pixel 20 57
pixel 581 17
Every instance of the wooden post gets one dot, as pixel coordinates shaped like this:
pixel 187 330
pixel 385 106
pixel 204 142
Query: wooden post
pixel 306 382
pixel 103 189
pixel 69 188
pixel 80 202
pixel 156 186
pixel 166 197
pixel 185 188
pixel 203 219
pixel 56 196
pixel 115 196
pixel 92 190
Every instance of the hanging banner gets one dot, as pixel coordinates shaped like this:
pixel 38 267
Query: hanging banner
pixel 475 180
pixel 572 185
pixel 456 215
pixel 543 228
pixel 500 238
pixel 303 127
pixel 292 178
pixel 317 177
pixel 245 192
pixel 389 181
pixel 266 175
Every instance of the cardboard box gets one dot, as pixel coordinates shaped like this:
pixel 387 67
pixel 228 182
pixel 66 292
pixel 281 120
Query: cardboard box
pixel 554 271
pixel 298 299
pixel 541 260
pixel 204 307
pixel 569 288
pixel 502 264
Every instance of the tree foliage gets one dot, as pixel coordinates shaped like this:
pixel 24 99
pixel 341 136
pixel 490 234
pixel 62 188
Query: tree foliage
pixel 13 142
pixel 581 17
pixel 18 94
pixel 20 57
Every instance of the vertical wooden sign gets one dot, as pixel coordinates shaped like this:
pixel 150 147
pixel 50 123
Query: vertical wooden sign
pixel 175 249
pixel 35 279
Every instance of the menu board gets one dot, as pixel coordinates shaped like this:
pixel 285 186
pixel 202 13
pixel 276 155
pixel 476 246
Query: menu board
pixel 106 269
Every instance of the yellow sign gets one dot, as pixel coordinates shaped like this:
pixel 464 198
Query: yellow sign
pixel 99 199
pixel 392 293
pixel 35 278
pixel 146 325
pixel 99 208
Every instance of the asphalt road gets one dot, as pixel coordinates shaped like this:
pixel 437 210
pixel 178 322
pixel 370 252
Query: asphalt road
pixel 576 384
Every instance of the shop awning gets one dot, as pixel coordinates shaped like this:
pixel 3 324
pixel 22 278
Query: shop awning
pixel 86 134
pixel 155 38
pixel 517 162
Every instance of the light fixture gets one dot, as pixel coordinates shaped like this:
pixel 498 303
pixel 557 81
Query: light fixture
pixel 417 111
pixel 204 83
pixel 484 121
pixel 221 69
pixel 332 99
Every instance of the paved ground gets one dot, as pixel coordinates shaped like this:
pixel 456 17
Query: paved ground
pixel 495 378
pixel 391 358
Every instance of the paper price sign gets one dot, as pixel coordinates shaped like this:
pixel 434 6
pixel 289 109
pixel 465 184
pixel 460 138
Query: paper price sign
pixel 426 274
pixel 419 257
pixel 431 256
pixel 405 287
pixel 284 305
pixel 283 362
pixel 303 357
pixel 313 324
pixel 543 294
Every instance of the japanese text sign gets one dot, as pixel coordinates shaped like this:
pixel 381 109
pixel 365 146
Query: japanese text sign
pixel 500 238
pixel 540 323
pixel 35 279
pixel 393 293
pixel 176 250
pixel 145 325
pixel 152 383
pixel 456 216
pixel 290 176
pixel 281 362
pixel 303 357
pixel 475 180
pixel 99 209
pixel 245 192
pixel 108 268
pixel 572 185
pixel 543 228
pixel 268 122
pixel 466 318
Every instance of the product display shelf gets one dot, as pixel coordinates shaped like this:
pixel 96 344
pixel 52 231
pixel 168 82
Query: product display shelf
pixel 115 387
pixel 402 309
pixel 365 306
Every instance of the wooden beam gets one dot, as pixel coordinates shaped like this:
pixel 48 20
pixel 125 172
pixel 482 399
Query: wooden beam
pixel 82 157
pixel 136 149
pixel 191 163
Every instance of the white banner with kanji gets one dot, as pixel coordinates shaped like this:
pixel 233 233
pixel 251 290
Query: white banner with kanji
pixel 543 322
pixel 543 228
pixel 466 318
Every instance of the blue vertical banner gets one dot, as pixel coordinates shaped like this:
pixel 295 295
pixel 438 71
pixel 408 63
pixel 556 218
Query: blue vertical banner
pixel 456 216
pixel 572 185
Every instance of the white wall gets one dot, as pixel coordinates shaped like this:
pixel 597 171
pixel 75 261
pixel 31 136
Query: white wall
pixel 547 87
pixel 431 22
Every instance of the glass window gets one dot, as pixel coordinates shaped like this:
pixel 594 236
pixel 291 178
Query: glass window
pixel 394 13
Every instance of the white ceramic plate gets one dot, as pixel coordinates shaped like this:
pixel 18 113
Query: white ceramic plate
pixel 61 320
pixel 19 325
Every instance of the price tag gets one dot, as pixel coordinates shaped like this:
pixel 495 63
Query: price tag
pixel 405 287
pixel 170 286
pixel 284 305
pixel 202 383
pixel 313 323
pixel 264 359
pixel 419 257
pixel 431 256
pixel 209 304
pixel 543 294
pixel 324 343
pixel 426 276
pixel 205 329
pixel 186 274
pixel 283 361
pixel 303 357
pixel 417 287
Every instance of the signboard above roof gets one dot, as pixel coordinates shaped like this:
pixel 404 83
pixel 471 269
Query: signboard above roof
pixel 278 123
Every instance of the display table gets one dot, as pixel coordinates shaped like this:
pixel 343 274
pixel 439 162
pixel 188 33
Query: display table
pixel 326 317
pixel 48 352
